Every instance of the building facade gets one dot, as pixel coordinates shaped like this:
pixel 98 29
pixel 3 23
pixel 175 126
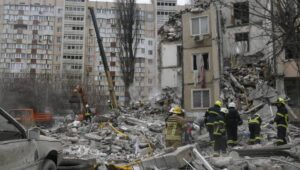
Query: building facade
pixel 201 69
pixel 144 79
pixel 56 38
pixel 31 38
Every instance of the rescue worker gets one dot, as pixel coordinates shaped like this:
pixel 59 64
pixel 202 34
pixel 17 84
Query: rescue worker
pixel 254 123
pixel 210 117
pixel 281 119
pixel 232 120
pixel 109 104
pixel 87 114
pixel 175 127
pixel 220 133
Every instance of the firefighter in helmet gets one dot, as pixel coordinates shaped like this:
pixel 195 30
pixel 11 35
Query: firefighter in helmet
pixel 254 123
pixel 175 127
pixel 220 133
pixel 209 118
pixel 281 120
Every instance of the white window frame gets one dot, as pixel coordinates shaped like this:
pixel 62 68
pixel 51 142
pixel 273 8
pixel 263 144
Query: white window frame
pixel 191 26
pixel 192 98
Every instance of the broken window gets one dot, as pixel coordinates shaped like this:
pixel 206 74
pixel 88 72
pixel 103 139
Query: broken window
pixel 200 98
pixel 242 41
pixel 200 60
pixel 292 92
pixel 199 25
pixel 241 13
pixel 292 47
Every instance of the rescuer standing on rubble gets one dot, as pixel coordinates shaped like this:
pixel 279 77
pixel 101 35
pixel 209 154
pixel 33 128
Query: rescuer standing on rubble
pixel 254 123
pixel 281 119
pixel 232 120
pixel 87 114
pixel 175 127
pixel 210 117
pixel 220 133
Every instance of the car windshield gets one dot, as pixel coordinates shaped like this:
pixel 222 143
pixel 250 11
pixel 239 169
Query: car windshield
pixel 8 131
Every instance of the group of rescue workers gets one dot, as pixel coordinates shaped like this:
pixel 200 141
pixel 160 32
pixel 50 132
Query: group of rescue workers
pixel 222 125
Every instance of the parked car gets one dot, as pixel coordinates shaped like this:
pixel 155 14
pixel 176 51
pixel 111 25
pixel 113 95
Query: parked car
pixel 22 149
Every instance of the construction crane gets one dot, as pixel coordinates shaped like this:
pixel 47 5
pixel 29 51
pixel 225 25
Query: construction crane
pixel 104 61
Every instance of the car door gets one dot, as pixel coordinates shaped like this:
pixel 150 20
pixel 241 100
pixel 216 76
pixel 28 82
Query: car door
pixel 16 151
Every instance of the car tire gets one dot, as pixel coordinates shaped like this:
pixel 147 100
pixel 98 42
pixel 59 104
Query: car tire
pixel 49 165
pixel 74 164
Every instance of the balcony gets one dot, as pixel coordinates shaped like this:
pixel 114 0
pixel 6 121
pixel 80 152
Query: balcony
pixel 73 41
pixel 74 22
pixel 77 32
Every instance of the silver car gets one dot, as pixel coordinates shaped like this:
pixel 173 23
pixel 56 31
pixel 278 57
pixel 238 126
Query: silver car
pixel 22 149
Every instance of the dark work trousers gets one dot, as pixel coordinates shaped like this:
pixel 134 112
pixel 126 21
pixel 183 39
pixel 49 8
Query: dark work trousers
pixel 210 129
pixel 88 118
pixel 254 133
pixel 232 133
pixel 220 143
pixel 281 134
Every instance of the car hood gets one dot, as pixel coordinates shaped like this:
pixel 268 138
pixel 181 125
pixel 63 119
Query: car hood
pixel 47 138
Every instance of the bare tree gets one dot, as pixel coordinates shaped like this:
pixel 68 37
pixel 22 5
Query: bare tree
pixel 128 25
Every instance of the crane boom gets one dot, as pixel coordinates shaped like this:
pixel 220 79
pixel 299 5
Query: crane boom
pixel 104 60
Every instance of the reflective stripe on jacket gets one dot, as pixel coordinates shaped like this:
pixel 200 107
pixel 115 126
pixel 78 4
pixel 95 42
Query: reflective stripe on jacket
pixel 211 115
pixel 281 118
pixel 255 120
pixel 174 128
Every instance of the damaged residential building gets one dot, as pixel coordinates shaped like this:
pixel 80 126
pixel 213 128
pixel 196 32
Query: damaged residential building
pixel 235 42
pixel 246 40
pixel 201 70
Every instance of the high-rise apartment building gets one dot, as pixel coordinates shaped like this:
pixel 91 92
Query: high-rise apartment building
pixel 30 41
pixel 145 58
pixel 57 38
pixel 74 42
pixel 165 8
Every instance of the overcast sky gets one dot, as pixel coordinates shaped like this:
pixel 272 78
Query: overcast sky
pixel 180 2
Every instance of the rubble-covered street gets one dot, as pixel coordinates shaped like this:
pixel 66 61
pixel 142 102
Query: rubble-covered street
pixel 135 135
pixel 149 85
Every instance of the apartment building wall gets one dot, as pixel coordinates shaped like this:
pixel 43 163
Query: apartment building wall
pixel 201 77
pixel 74 31
pixel 171 65
pixel 244 35
pixel 30 42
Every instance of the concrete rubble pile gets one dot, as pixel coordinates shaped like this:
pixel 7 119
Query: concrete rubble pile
pixel 136 133
pixel 172 29
pixel 119 136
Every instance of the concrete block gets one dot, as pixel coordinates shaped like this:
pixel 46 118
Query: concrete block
pixel 175 159
pixel 160 162
pixel 148 163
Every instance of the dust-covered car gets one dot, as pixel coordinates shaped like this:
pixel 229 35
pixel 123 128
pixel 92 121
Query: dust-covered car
pixel 22 149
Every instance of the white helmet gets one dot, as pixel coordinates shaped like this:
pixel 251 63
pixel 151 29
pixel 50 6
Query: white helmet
pixel 224 110
pixel 232 104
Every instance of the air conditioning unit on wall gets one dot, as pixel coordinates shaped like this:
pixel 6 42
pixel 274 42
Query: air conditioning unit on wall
pixel 198 38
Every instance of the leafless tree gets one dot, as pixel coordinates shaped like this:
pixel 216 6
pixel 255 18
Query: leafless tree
pixel 128 25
